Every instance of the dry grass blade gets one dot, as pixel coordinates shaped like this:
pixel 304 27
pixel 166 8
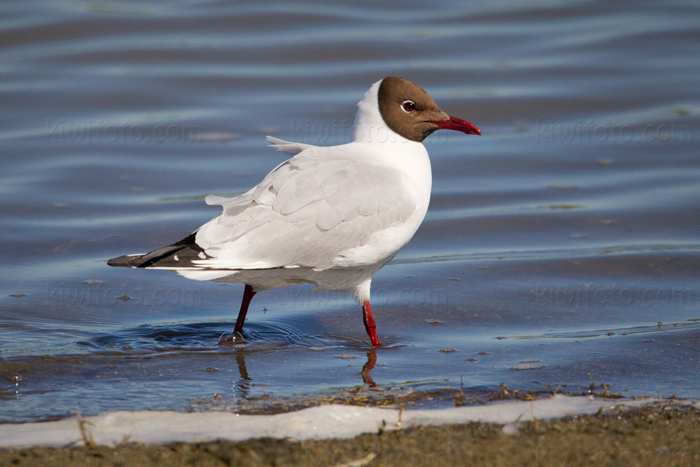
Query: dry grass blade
pixel 84 432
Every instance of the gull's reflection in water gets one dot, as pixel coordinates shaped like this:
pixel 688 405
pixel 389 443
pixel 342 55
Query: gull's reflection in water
pixel 241 386
pixel 369 366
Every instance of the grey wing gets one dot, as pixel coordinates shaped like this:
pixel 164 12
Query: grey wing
pixel 305 213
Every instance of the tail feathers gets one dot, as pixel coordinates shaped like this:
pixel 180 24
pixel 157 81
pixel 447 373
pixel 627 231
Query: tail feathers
pixel 163 257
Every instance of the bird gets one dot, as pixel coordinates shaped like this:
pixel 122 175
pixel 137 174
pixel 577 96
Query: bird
pixel 330 216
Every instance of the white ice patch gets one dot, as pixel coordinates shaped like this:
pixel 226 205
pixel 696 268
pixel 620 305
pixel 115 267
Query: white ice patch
pixel 329 421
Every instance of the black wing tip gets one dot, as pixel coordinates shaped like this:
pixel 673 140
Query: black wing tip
pixel 149 259
pixel 123 261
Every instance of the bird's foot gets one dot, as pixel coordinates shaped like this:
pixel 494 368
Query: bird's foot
pixel 230 339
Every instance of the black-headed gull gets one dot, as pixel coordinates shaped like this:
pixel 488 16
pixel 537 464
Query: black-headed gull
pixel 329 216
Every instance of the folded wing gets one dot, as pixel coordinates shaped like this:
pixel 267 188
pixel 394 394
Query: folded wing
pixel 306 213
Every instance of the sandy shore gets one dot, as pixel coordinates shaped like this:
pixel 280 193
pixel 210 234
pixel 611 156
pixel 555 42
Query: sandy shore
pixel 664 433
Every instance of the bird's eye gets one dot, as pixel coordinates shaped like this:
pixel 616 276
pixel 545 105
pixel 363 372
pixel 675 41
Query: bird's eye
pixel 408 106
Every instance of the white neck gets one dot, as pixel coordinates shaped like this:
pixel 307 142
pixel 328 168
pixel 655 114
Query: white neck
pixel 369 125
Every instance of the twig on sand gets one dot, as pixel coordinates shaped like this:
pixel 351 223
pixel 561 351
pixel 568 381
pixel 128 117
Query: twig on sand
pixel 84 432
pixel 359 462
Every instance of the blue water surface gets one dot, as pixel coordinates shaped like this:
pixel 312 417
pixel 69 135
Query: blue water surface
pixel 560 247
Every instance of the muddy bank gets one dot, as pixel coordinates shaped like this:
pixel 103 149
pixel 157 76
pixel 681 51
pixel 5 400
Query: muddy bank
pixel 660 434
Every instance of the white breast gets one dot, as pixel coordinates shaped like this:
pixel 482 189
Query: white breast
pixel 412 161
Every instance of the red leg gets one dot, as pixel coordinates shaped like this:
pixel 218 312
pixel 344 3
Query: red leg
pixel 370 325
pixel 247 297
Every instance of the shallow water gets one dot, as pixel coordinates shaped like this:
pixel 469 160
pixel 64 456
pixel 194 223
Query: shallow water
pixel 561 246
